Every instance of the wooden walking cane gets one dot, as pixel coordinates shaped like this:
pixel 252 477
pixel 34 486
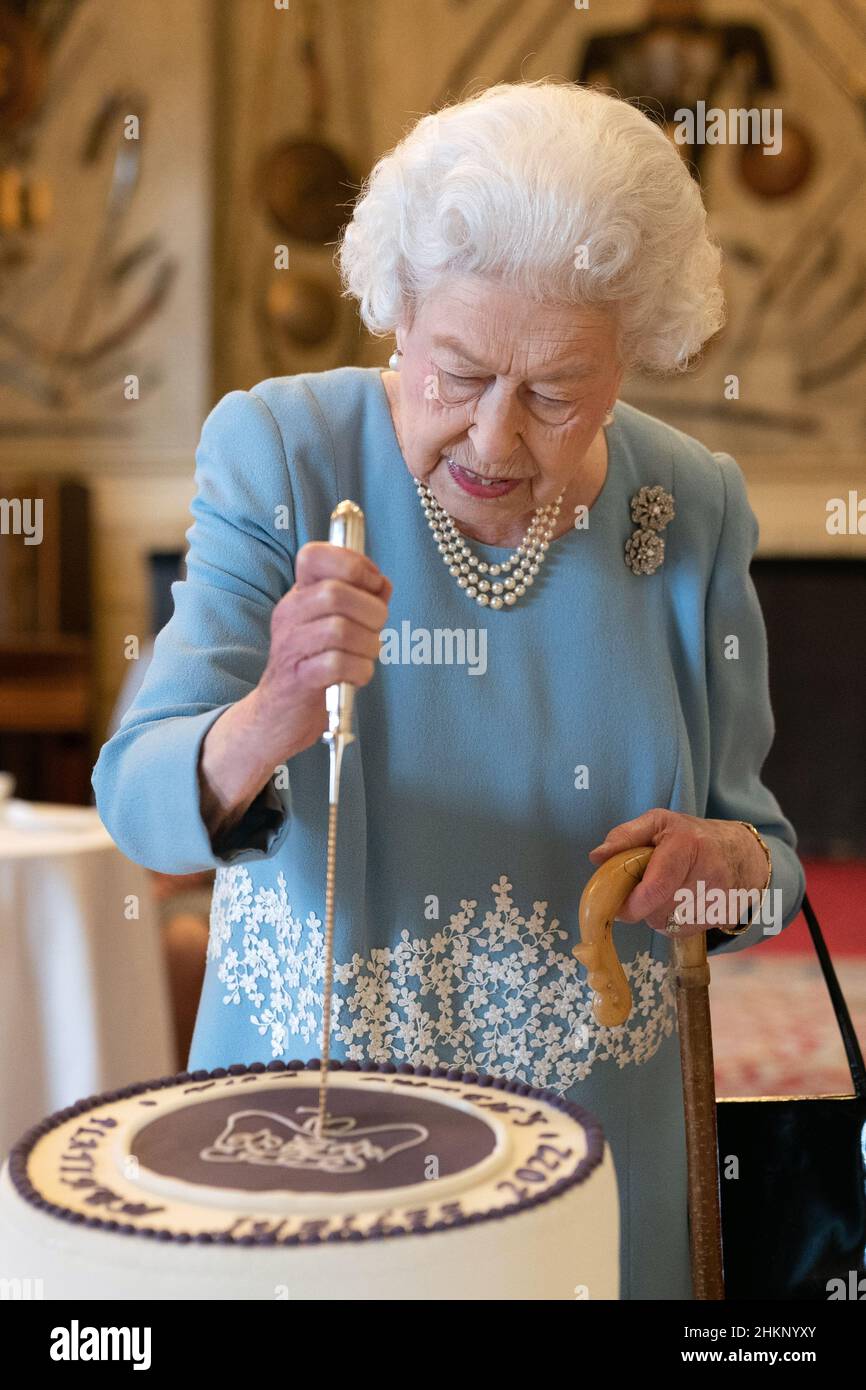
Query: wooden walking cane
pixel 602 898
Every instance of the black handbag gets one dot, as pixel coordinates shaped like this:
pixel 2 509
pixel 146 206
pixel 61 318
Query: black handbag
pixel 794 1219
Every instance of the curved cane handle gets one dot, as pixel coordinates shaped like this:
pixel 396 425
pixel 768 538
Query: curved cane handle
pixel 600 901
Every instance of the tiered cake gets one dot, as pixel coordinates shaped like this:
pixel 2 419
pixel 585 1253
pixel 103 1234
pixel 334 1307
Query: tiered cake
pixel 425 1184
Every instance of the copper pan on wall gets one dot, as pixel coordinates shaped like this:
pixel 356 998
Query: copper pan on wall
pixel 301 309
pixel 304 182
pixel 783 174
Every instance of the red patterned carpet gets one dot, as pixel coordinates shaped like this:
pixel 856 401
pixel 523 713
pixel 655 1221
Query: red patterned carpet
pixel 774 1030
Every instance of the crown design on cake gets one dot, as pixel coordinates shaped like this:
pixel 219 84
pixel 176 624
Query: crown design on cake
pixel 264 1138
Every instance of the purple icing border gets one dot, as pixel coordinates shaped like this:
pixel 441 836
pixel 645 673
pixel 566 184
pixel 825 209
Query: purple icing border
pixel 20 1153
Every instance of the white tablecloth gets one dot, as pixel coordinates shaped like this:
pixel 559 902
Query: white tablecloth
pixel 84 1003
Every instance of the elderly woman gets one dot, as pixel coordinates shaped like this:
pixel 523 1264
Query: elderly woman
pixel 557 646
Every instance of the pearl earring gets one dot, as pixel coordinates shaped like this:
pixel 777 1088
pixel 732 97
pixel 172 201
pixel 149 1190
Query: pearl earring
pixel 394 360
pixel 608 419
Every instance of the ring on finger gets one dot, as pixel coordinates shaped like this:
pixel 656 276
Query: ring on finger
pixel 675 922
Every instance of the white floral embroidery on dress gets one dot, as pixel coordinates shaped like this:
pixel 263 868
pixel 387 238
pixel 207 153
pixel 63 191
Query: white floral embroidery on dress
pixel 493 996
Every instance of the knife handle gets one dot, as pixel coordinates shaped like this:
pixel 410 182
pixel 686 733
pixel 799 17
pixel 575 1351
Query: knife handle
pixel 347 530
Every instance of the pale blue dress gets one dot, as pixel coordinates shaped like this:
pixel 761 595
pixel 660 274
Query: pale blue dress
pixel 464 819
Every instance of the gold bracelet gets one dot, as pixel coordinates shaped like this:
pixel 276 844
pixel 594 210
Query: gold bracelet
pixel 744 926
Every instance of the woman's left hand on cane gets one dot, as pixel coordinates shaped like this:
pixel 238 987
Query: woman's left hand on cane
pixel 689 850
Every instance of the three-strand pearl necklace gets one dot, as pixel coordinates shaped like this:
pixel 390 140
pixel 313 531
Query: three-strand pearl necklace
pixel 490 585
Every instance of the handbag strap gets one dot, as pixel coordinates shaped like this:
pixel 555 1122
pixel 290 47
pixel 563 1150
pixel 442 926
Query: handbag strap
pixel 837 999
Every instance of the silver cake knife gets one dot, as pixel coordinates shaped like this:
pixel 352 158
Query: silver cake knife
pixel 346 529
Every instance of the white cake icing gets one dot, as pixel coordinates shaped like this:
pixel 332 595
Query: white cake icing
pixel 218 1186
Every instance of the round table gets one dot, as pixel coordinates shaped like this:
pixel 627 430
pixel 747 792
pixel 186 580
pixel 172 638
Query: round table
pixel 84 1003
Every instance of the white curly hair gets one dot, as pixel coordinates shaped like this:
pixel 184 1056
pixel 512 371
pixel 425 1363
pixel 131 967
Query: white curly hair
pixel 564 193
